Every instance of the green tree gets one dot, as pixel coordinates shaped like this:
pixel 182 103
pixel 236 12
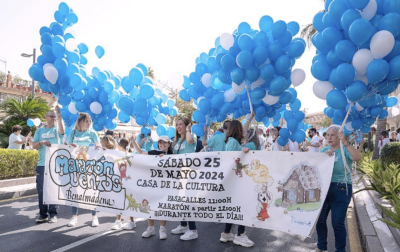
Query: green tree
pixel 150 73
pixel 17 112
pixel 325 122
pixel 308 31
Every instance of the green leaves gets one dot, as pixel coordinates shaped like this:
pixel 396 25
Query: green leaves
pixel 17 163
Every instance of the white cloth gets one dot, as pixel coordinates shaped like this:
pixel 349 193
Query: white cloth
pixel 325 142
pixel 11 142
pixel 262 142
pixel 314 141
pixel 293 146
pixel 383 143
pixel 276 147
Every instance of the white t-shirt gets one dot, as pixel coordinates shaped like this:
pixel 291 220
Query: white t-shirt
pixel 262 142
pixel 11 142
pixel 293 146
pixel 383 143
pixel 314 141
pixel 325 142
pixel 276 147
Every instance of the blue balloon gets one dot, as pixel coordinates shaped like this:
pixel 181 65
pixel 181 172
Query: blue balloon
pixel 317 21
pixel 282 64
pixel 266 23
pixel 279 29
pixel 285 97
pixel 360 31
pixel 244 59
pixel 267 72
pixel 245 42
pixel 162 129
pixel 359 4
pixel 99 51
pixel 391 101
pixel 136 76
pixel 260 55
pixel 296 49
pixel 237 75
pixel 348 18
pixel 390 23
pixel 228 62
pixel 126 105
pixel 394 69
pixel 183 94
pixel 30 122
pixel 320 70
pixel 198 129
pixel 336 99
pixel 332 36
pixel 277 86
pixel 146 91
pixel 377 70
pixel 274 51
pixel 384 113
pixel 161 119
pixel 293 27
pixel 282 141
pixel 345 74
pixel 244 28
pixel 296 105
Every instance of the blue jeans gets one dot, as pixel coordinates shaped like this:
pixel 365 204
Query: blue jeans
pixel 228 228
pixel 192 224
pixel 337 200
pixel 75 211
pixel 44 210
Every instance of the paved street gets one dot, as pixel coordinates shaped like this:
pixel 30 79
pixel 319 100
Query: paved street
pixel 19 232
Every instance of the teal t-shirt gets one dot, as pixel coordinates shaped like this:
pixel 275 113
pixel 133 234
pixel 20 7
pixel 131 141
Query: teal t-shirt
pixel 233 145
pixel 148 146
pixel 338 167
pixel 184 147
pixel 217 142
pixel 252 146
pixel 83 138
pixel 46 134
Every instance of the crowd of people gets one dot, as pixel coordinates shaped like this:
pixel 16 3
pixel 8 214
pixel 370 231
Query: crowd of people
pixel 233 136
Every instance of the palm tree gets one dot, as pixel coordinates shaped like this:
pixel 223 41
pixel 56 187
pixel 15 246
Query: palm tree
pixel 308 31
pixel 150 73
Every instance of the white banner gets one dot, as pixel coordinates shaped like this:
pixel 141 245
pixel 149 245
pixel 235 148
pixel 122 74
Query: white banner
pixel 272 190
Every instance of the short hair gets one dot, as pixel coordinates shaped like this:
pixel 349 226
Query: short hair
pixel 324 134
pixel 226 124
pixel 335 128
pixel 317 133
pixel 314 130
pixel 16 128
pixel 384 133
pixel 109 133
pixel 373 128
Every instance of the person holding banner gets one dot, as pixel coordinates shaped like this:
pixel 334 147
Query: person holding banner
pixel 83 135
pixel 164 148
pixel 217 142
pixel 340 190
pixel 52 133
pixel 233 140
pixel 184 142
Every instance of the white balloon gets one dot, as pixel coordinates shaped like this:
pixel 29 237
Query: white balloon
pixel 226 41
pixel 395 111
pixel 206 79
pixel 46 65
pixel 348 126
pixel 36 122
pixel 362 78
pixel 382 44
pixel 176 80
pixel 70 30
pixel 71 44
pixel 199 99
pixel 322 88
pixel 370 10
pixel 297 77
pixel 270 100
pixel 238 88
pixel 358 107
pixel 72 109
pixel 96 108
pixel 284 126
pixel 229 95
pixel 230 116
pixel 257 83
pixel 51 74
pixel 361 60
pixel 194 105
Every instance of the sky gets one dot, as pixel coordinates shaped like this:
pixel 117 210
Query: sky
pixel 167 36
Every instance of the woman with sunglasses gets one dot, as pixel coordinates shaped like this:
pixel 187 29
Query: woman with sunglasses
pixel 83 135
pixel 185 142
pixel 164 148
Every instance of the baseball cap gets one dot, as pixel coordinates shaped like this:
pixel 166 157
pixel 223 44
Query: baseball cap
pixel 165 139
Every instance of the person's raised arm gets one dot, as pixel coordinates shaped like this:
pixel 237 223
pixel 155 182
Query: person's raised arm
pixel 189 137
pixel 137 148
pixel 61 128
pixel 354 153
pixel 204 140
pixel 248 121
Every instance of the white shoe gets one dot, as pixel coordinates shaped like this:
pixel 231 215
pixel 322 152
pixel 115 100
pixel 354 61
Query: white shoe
pixel 73 221
pixel 95 222
pixel 117 225
pixel 243 240
pixel 227 237
pixel 163 233
pixel 149 232
pixel 179 230
pixel 129 225
pixel 318 250
pixel 189 235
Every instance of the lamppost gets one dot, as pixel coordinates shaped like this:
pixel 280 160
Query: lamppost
pixel 34 61
pixel 5 65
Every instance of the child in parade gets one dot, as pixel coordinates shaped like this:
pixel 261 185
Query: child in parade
pixel 83 135
pixel 145 142
pixel 233 139
pixel 275 136
pixel 109 143
pixel 184 142
pixel 164 148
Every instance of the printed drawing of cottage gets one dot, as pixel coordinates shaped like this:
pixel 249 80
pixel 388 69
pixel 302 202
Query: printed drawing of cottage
pixel 302 186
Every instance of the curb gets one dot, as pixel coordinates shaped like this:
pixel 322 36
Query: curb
pixel 17 182
pixel 15 188
pixel 376 236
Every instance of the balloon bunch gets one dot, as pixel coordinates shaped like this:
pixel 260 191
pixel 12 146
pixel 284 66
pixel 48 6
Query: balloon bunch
pixel 358 60
pixel 33 122
pixel 249 70
pixel 61 70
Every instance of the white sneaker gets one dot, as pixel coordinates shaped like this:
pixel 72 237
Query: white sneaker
pixel 95 222
pixel 227 237
pixel 129 225
pixel 179 230
pixel 149 232
pixel 73 221
pixel 163 233
pixel 318 250
pixel 117 225
pixel 243 240
pixel 189 235
pixel 53 219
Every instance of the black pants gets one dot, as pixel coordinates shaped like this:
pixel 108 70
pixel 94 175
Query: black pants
pixel 228 228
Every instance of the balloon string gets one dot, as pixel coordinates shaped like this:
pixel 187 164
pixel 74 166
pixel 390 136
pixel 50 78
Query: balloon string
pixel 248 95
pixel 346 167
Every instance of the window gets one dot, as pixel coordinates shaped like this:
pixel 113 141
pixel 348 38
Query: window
pixel 311 194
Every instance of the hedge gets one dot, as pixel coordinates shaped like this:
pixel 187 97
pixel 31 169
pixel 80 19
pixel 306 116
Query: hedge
pixel 17 163
pixel 391 153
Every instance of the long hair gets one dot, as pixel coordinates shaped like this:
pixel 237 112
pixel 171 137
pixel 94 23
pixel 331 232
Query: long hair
pixel 235 130
pixel 253 137
pixel 81 118
pixel 108 142
pixel 277 132
pixel 186 121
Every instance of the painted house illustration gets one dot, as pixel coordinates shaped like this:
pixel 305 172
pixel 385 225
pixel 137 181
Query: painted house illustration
pixel 302 186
